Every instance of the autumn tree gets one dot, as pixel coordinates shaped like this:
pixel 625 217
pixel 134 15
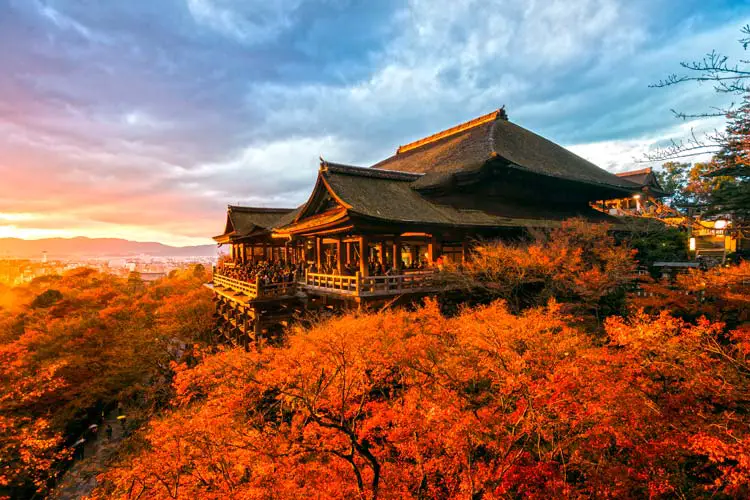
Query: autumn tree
pixel 723 184
pixel 720 294
pixel 485 404
pixel 580 264
pixel 76 344
pixel 689 184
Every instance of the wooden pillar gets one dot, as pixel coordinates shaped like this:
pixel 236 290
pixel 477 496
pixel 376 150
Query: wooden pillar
pixel 397 254
pixel 348 252
pixel 339 257
pixel 431 251
pixel 414 251
pixel 381 252
pixel 318 252
pixel 363 251
pixel 258 332
pixel 464 251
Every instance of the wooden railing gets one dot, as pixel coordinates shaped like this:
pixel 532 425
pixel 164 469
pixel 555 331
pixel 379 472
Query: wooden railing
pixel 243 287
pixel 255 290
pixel 348 285
pixel 402 283
pixel 358 286
pixel 363 286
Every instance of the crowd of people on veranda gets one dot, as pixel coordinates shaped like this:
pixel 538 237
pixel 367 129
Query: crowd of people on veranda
pixel 263 271
pixel 374 268
pixel 281 272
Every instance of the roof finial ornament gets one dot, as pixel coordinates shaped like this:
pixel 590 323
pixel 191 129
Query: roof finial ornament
pixel 502 114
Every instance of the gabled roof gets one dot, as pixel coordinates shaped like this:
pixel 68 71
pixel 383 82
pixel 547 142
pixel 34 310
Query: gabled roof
pixel 388 196
pixel 492 138
pixel 643 178
pixel 243 221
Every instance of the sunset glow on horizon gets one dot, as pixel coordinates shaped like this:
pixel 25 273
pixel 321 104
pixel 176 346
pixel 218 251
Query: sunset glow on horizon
pixel 143 120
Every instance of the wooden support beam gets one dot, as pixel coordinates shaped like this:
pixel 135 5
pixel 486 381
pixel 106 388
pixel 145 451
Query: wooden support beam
pixel 397 254
pixel 258 332
pixel 348 252
pixel 318 252
pixel 363 252
pixel 339 258
pixel 381 252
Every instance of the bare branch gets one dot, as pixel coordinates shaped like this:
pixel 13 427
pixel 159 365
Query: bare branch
pixel 694 146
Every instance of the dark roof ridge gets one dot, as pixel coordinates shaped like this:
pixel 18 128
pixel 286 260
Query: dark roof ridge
pixel 376 173
pixel 457 129
pixel 268 210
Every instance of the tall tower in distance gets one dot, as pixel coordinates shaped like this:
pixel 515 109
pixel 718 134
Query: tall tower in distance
pixel 44 257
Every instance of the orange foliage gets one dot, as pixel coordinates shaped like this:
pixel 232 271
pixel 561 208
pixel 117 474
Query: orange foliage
pixel 578 263
pixel 87 341
pixel 721 294
pixel 484 404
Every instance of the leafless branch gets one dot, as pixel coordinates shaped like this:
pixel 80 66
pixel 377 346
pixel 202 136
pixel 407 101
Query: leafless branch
pixel 688 148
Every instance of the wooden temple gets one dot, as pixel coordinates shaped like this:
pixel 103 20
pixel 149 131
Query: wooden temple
pixel 381 231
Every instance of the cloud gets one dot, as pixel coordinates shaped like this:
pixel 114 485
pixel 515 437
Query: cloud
pixel 157 114
pixel 451 61
pixel 250 21
pixel 64 22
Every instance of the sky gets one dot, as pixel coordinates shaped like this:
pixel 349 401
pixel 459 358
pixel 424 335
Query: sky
pixel 143 119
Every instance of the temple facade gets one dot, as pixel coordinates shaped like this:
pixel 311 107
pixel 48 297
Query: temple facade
pixel 374 232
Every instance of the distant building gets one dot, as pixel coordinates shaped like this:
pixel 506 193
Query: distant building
pixel 645 200
pixel 150 277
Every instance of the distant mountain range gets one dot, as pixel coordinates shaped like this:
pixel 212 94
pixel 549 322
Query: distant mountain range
pixel 95 247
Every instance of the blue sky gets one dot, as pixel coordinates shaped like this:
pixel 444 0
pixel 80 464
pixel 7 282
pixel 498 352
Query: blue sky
pixel 144 118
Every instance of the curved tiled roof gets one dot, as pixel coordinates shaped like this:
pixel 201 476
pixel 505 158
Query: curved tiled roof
pixel 466 149
pixel 643 178
pixel 388 196
pixel 242 221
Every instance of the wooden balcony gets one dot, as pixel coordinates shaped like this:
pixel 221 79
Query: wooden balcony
pixel 252 291
pixel 370 286
pixel 356 286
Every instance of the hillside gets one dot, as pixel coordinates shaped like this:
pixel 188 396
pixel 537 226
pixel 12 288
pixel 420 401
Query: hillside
pixel 95 247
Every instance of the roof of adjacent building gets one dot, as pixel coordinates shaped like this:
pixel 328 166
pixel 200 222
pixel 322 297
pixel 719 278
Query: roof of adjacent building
pixel 242 221
pixel 643 177
pixel 494 139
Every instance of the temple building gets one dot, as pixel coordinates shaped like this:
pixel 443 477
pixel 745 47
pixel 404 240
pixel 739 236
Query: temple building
pixel 373 232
